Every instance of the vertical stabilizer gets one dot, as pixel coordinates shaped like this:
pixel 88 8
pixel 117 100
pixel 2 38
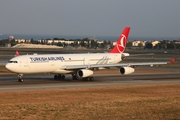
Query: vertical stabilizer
pixel 17 53
pixel 121 42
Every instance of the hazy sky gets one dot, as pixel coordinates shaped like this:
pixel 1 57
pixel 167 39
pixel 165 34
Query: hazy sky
pixel 147 18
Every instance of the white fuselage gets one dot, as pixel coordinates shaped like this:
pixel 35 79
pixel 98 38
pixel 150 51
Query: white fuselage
pixel 56 63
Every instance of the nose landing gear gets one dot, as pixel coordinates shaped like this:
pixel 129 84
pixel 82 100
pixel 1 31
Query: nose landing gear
pixel 20 79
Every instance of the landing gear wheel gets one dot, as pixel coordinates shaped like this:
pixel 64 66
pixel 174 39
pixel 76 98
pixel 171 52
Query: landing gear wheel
pixel 55 77
pixel 91 78
pixel 74 77
pixel 20 79
pixel 63 77
pixel 59 77
pixel 88 78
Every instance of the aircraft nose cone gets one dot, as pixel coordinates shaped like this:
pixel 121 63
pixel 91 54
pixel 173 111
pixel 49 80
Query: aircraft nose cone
pixel 8 66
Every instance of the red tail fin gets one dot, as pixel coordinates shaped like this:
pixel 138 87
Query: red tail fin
pixel 172 60
pixel 17 53
pixel 121 42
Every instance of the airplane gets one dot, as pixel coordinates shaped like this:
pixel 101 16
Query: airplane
pixel 80 66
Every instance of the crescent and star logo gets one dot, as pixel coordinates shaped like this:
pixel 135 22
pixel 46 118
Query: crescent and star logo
pixel 121 45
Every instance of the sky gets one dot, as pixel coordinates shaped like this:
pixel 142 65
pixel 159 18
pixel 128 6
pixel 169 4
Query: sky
pixel 147 18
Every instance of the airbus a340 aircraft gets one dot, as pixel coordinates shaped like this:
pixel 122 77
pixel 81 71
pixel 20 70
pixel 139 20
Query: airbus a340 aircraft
pixel 80 66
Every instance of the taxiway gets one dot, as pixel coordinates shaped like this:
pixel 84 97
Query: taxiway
pixel 42 82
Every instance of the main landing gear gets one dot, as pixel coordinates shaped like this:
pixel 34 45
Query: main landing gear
pixel 59 77
pixel 88 78
pixel 20 79
pixel 74 77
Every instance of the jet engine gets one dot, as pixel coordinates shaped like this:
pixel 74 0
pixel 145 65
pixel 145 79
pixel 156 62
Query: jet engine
pixel 84 73
pixel 126 70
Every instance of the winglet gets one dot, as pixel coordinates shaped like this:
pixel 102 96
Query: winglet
pixel 121 42
pixel 17 53
pixel 172 60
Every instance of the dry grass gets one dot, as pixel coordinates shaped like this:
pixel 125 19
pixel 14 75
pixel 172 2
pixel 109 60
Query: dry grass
pixel 133 102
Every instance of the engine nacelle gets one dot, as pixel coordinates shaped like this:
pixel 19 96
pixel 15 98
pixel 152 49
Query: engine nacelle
pixel 126 70
pixel 84 73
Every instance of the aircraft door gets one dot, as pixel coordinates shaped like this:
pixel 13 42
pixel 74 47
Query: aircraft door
pixel 20 64
pixel 26 63
pixel 52 63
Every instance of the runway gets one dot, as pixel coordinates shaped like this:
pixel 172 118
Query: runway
pixel 43 82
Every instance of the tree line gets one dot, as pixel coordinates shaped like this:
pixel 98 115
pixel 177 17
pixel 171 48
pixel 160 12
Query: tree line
pixel 85 42
pixel 94 44
pixel 161 45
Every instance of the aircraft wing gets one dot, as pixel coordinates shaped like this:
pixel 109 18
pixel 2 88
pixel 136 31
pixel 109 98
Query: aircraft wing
pixel 68 67
pixel 141 54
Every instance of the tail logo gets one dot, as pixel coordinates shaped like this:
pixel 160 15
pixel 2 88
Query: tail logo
pixel 121 42
pixel 121 46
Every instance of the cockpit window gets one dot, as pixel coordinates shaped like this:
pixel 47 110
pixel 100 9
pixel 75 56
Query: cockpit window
pixel 12 62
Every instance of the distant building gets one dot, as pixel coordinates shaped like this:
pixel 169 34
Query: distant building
pixel 8 45
pixel 55 41
pixel 22 41
pixel 136 43
pixel 155 42
pixel 166 41
pixel 100 42
pixel 176 41
pixel 114 43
